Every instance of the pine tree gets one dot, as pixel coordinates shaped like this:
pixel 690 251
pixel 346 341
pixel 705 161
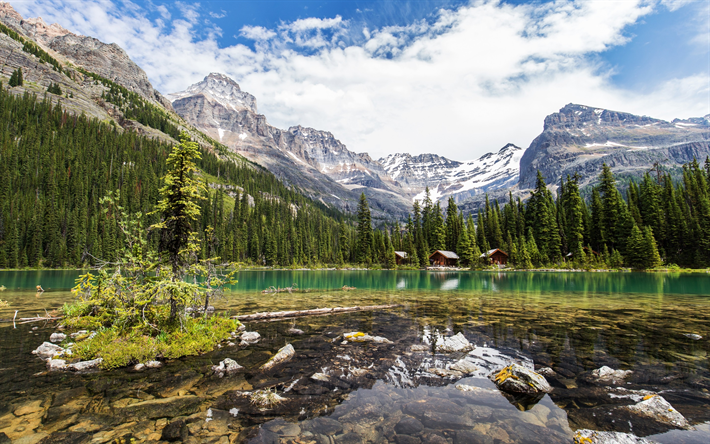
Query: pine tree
pixel 465 249
pixel 453 228
pixel 650 251
pixel 635 251
pixel 16 78
pixel 540 216
pixel 364 232
pixel 390 259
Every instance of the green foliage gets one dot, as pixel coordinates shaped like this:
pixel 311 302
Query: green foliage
pixel 16 78
pixel 54 89
pixel 364 232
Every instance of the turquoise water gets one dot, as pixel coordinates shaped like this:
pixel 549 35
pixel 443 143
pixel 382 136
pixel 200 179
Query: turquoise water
pixel 529 282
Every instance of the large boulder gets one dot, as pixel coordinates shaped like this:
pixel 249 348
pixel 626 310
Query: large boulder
pixel 518 379
pixel 285 354
pixel 657 408
pixel 456 343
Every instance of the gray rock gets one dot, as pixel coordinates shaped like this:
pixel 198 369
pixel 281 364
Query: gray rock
pixel 56 364
pixel 226 367
pixel 139 367
pixel 57 337
pixel 348 438
pixel 320 377
pixel 85 365
pixel 420 347
pixel 444 373
pixel 660 410
pixel 456 343
pixel 295 331
pixel 285 354
pixel 408 426
pixel 472 437
pixel 47 350
pixel 153 364
pixel 518 379
pixel 79 333
pixel 693 336
pixel 250 337
pixel 609 375
pixel 586 436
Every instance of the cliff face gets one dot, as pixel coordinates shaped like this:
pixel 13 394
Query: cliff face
pixel 107 60
pixel 310 159
pixel 581 139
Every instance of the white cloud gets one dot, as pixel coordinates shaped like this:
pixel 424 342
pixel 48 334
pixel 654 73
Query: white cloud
pixel 463 83
pixel 256 33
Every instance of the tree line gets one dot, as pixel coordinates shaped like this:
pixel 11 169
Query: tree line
pixel 660 220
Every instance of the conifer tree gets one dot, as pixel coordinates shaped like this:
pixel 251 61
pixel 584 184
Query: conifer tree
pixel 465 249
pixel 390 259
pixel 453 228
pixel 650 251
pixel 364 232
pixel 635 251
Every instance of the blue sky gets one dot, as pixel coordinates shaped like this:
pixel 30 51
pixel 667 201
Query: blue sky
pixel 458 78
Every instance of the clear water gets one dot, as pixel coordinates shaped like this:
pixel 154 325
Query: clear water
pixel 570 322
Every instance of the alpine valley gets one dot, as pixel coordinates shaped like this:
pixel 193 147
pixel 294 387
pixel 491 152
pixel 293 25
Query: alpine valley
pixel 313 162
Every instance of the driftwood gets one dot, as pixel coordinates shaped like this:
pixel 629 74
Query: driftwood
pixel 315 312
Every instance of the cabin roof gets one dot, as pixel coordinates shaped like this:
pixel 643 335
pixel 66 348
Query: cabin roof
pixel 490 252
pixel 402 254
pixel 446 254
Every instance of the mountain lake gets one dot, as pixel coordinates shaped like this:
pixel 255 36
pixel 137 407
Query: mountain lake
pixel 563 325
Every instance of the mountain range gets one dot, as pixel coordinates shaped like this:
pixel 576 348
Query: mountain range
pixel 216 111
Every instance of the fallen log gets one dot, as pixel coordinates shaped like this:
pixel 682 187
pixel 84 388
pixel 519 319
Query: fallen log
pixel 314 312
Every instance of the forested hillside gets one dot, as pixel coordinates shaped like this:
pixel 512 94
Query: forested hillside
pixel 56 166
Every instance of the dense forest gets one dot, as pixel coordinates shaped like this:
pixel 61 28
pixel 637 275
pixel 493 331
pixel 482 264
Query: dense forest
pixel 55 168
pixel 661 220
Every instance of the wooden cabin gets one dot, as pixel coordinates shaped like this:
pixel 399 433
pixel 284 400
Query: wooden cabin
pixel 443 258
pixel 400 257
pixel 496 256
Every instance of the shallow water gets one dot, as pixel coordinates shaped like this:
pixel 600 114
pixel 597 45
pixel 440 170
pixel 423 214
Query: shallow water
pixel 570 322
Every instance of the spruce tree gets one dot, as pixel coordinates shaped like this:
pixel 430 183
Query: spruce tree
pixel 635 251
pixel 650 251
pixel 465 249
pixel 390 259
pixel 364 232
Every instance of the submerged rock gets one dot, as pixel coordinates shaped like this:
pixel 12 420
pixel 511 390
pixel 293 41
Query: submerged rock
pixel 518 379
pixel 456 343
pixel 57 337
pixel 464 366
pixel 320 377
pixel 585 436
pixel 162 407
pixel 47 350
pixel 226 367
pixel 693 336
pixel 420 347
pixel 609 375
pixel 153 364
pixel 357 336
pixel 657 408
pixel 295 331
pixel 285 354
pixel 139 367
pixel 444 373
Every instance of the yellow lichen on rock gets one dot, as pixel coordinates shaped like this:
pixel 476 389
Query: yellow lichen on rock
pixel 579 439
pixel 505 374
pixel 647 397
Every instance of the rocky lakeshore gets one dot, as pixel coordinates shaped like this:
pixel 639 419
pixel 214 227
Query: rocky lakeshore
pixel 383 376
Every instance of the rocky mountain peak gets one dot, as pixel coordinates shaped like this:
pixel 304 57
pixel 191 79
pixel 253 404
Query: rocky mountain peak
pixel 575 116
pixel 221 89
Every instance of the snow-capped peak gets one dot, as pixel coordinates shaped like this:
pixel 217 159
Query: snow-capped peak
pixel 446 177
pixel 221 89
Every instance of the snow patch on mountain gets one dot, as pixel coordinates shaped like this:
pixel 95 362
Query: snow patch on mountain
pixel 446 177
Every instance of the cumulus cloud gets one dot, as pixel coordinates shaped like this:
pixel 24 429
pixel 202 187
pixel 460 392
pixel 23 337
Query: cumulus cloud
pixel 460 83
